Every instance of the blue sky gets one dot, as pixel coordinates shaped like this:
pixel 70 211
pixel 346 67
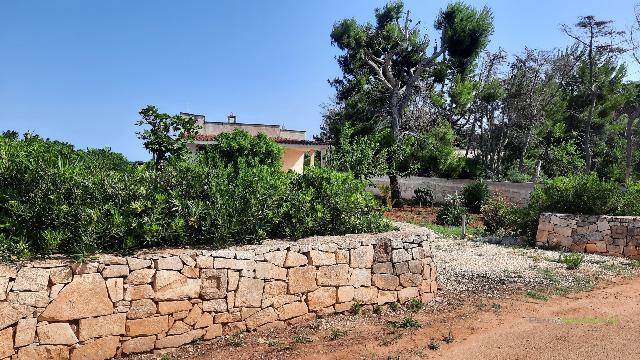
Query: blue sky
pixel 79 71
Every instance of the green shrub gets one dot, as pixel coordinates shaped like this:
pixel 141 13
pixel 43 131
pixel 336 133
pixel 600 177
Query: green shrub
pixel 572 261
pixel 630 202
pixel 496 213
pixel 55 199
pixel 423 196
pixel 452 211
pixel 577 194
pixel 475 194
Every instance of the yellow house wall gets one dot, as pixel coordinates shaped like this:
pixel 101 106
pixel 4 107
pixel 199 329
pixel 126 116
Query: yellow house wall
pixel 293 159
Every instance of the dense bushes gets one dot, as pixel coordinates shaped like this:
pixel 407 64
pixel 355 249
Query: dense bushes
pixel 54 198
pixel 475 194
pixel 452 211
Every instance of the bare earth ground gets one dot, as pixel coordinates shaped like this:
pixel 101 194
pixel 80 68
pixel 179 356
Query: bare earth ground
pixel 496 302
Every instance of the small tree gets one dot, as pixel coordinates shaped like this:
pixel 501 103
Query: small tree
pixel 167 135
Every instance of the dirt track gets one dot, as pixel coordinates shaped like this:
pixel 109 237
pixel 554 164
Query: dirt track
pixel 601 324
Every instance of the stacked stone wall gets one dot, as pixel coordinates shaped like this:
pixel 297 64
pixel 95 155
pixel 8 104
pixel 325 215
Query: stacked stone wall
pixel 598 234
pixel 157 300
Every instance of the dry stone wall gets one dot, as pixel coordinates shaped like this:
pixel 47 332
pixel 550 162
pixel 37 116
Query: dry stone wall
pixel 60 309
pixel 516 193
pixel 599 234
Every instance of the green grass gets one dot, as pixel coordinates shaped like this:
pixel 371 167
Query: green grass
pixel 301 339
pixel 537 295
pixel 406 323
pixel 336 334
pixel 451 231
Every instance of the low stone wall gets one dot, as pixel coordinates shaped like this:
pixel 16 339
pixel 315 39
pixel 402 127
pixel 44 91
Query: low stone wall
pixel 516 193
pixel 60 309
pixel 607 235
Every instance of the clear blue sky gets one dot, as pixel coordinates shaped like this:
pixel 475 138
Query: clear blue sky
pixel 79 71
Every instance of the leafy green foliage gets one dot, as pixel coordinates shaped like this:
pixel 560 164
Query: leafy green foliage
pixel 361 155
pixel 55 199
pixel 496 214
pixel 475 195
pixel 239 148
pixel 435 152
pixel 452 211
pixel 572 261
pixel 407 322
pixel 578 194
pixel 423 196
pixel 166 135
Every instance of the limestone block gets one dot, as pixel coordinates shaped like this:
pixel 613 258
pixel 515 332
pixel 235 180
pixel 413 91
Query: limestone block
pixel 204 262
pixel 383 268
pixel 49 352
pixel 261 317
pixel 98 349
pixel 277 258
pixel 333 275
pixel 139 345
pixel 61 275
pixel 321 298
pixel 141 292
pixel 137 264
pixel 169 263
pixel 345 294
pixel 102 326
pixel 385 297
pixel 86 296
pixel 25 332
pixel 319 258
pixel 387 281
pixel 141 309
pixel 400 255
pixel 6 342
pixel 214 284
pixel 112 271
pixel 147 326
pixel 302 279
pixel 219 305
pixel 407 294
pixel 292 310
pixel 115 287
pixel 266 270
pixel 360 277
pixel 179 340
pixel 31 279
pixel 365 295
pixel 56 334
pixel 141 276
pixel 295 259
pixel 249 292
pixel 362 257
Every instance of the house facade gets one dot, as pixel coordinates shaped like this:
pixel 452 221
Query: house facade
pixel 294 144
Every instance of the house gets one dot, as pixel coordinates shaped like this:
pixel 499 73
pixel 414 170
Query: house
pixel 293 142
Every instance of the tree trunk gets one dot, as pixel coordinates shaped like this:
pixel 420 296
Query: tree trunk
pixel 396 196
pixel 587 135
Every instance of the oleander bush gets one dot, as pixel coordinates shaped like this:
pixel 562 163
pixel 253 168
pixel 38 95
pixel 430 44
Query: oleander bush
pixel 56 199
pixel 475 195
pixel 452 211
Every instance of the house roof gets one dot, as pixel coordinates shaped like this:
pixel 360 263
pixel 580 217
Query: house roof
pixel 279 140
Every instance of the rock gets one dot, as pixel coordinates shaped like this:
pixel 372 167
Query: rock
pixel 179 340
pixel 193 316
pixel 227 254
pixel 148 326
pixel 43 352
pixel 302 279
pixel 226 318
pixel 6 342
pixel 400 255
pixel 247 265
pixel 279 300
pixel 292 310
pixel 415 266
pixel 214 284
pixel 8 271
pixel 334 275
pixel 31 279
pixel 382 251
pixel 11 313
pixel 407 294
pixel 401 268
pixel 98 349
pixel 383 268
pixel 109 259
pixel 37 299
pixel 233 279
pixel 141 309
pixel 246 312
pixel 249 292
pixel 217 306
pixel 141 276
pixel 188 260
pixel 275 288
pixel 277 258
pixel 360 277
pixel 85 268
pixel 265 270
pixel 318 258
pixel 102 326
pixel 204 321
pixel 86 296
pixel 345 294
pixel 56 334
pixel 25 332
pixel 169 263
pixel 362 257
pixel 234 328
pixel 139 345
pixel 4 285
pixel 261 317
pixel 171 285
pixel 190 272
pixel 295 259
pixel 385 297
pixel 141 292
pixel 419 253
pixel 342 256
pixel 61 275
pixel 115 289
pixel 137 264
pixel 321 298
pixel 112 271
pixel 213 331
pixel 387 281
pixel 179 327
pixel 204 262
pixel 365 295
pixel 170 307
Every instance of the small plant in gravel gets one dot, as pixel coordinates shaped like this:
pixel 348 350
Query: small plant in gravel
pixel 235 340
pixel 449 338
pixel 415 304
pixel 394 306
pixel 335 334
pixel 273 343
pixel 406 323
pixel 301 339
pixel 572 261
pixel 377 309
pixel 390 357
pixel 434 345
pixel 496 307
pixel 166 356
pixel 537 295
pixel 356 308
